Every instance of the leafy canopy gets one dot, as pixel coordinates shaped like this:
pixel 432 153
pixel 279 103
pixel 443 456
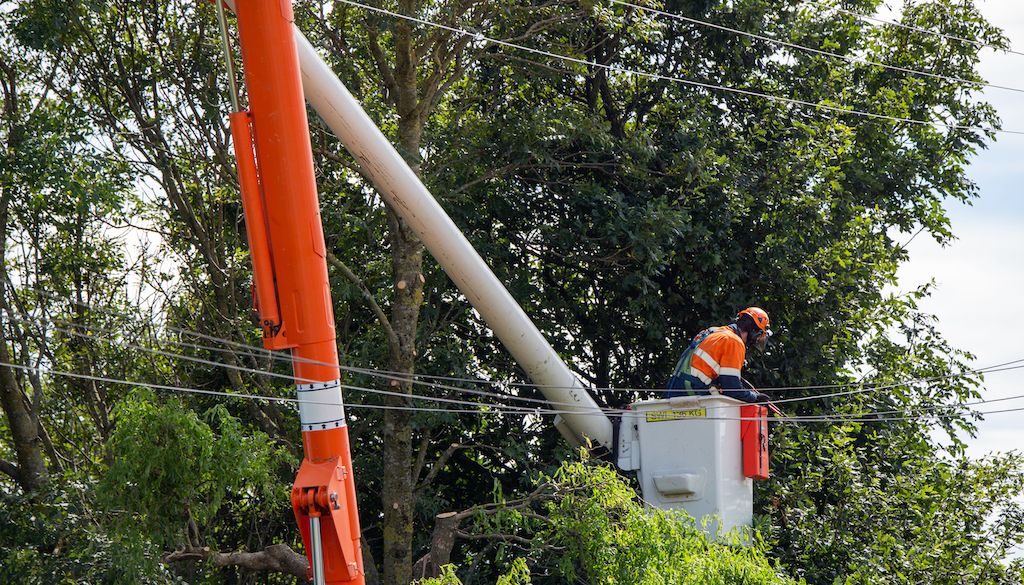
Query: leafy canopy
pixel 171 466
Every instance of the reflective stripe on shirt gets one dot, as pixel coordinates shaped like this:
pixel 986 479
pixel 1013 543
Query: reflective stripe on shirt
pixel 708 360
pixel 702 376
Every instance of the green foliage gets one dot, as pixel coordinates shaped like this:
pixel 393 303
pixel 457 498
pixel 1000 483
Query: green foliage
pixel 921 519
pixel 518 574
pixel 58 539
pixel 592 528
pixel 624 213
pixel 447 577
pixel 169 466
pixel 610 537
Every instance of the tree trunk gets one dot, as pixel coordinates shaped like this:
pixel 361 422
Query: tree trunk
pixel 398 494
pixel 31 472
pixel 442 541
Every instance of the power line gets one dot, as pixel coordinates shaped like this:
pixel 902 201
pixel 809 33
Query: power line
pixel 889 386
pixel 261 397
pixel 290 378
pixel 546 409
pixel 944 406
pixel 255 352
pixel 660 77
pixel 513 408
pixel 847 58
pixel 296 379
pixel 948 37
pixel 482 409
pixel 545 403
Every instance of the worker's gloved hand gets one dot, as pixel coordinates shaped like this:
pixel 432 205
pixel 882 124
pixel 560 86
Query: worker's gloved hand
pixel 762 398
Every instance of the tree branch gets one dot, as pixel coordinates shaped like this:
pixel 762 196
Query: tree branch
pixel 368 297
pixel 440 463
pixel 447 528
pixel 421 455
pixel 494 536
pixel 276 558
pixel 354 167
pixel 10 469
pixel 387 74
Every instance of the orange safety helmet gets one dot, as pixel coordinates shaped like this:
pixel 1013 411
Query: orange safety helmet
pixel 761 322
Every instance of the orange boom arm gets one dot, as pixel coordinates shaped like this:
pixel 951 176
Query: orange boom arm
pixel 291 289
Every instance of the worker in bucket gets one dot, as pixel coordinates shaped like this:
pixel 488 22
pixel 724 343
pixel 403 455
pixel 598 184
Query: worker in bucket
pixel 713 362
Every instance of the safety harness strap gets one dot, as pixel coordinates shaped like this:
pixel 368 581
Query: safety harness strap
pixel 682 379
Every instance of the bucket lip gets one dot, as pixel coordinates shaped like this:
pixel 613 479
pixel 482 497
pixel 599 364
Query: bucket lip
pixel 685 402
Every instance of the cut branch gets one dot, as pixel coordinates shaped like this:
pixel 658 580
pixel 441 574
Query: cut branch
pixel 447 528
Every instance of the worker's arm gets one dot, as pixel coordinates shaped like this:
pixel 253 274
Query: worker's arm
pixel 732 387
pixel 729 381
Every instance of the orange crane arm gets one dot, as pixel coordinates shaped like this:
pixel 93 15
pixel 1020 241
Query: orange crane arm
pixel 291 289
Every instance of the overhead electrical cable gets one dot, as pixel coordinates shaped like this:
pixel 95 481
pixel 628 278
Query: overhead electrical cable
pixel 782 43
pixel 256 352
pixel 861 388
pixel 289 377
pixel 480 37
pixel 870 18
pixel 512 408
pixel 865 388
pixel 76 329
pixel 930 407
pixel 481 409
pixel 263 397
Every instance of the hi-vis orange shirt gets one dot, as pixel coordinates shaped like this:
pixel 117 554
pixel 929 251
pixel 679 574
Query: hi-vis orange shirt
pixel 719 355
pixel 714 358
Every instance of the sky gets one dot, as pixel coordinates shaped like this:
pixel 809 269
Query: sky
pixel 980 295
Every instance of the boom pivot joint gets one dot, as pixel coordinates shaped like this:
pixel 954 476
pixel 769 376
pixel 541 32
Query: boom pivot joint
pixel 319 492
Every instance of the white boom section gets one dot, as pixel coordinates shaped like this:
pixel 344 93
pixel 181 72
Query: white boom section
pixel 407 196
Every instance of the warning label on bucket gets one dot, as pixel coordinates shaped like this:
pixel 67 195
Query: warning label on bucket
pixel 666 415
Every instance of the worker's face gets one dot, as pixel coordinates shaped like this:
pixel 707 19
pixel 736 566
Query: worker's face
pixel 759 338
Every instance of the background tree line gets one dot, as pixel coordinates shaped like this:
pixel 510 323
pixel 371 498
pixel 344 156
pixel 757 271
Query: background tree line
pixel 625 213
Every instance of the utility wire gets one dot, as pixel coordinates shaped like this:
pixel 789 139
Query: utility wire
pixel 292 378
pixel 482 409
pixel 546 409
pixel 263 397
pixel 934 406
pixel 889 386
pixel 949 37
pixel 480 37
pixel 77 329
pixel 256 352
pixel 847 58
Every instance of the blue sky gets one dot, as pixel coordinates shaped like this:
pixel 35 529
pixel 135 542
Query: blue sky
pixel 980 277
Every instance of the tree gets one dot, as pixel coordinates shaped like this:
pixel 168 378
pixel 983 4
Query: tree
pixel 625 212
pixel 416 70
pixel 56 192
pixel 591 527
